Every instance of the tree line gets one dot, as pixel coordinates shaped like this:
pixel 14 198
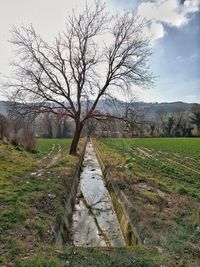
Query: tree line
pixel 22 130
pixel 136 123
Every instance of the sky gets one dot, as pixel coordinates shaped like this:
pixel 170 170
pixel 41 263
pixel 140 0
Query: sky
pixel 174 26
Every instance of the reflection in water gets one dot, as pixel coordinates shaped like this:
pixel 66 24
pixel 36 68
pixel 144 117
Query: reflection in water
pixel 95 223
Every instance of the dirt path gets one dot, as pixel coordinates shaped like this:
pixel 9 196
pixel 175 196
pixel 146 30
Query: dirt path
pixel 50 159
pixel 95 223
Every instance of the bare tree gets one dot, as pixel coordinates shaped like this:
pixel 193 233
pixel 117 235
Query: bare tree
pixel 169 126
pixel 161 119
pixel 134 117
pixel 196 116
pixel 26 139
pixel 47 123
pixel 152 128
pixel 4 126
pixel 91 126
pixel 61 76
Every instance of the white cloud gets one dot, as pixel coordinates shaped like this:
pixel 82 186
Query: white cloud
pixel 192 5
pixel 141 94
pixel 156 29
pixel 47 16
pixel 167 11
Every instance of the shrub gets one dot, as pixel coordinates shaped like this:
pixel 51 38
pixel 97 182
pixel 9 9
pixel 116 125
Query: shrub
pixel 13 139
pixel 26 138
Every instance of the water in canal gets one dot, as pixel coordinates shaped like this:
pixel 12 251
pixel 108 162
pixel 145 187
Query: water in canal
pixel 95 223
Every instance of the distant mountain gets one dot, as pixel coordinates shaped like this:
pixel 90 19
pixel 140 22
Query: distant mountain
pixel 149 109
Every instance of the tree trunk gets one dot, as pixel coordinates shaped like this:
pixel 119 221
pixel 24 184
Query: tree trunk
pixel 76 137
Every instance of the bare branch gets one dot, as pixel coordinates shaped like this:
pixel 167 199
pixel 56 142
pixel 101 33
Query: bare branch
pixel 77 66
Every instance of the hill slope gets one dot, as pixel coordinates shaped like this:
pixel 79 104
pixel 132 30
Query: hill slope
pixel 150 109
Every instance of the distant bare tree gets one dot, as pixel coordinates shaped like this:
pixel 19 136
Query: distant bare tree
pixel 134 117
pixel 169 126
pixel 75 67
pixel 180 123
pixel 152 128
pixel 196 116
pixel 91 126
pixel 66 128
pixel 160 119
pixel 47 120
pixel 4 125
pixel 25 137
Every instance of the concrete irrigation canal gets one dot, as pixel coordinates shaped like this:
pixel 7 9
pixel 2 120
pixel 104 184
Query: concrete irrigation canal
pixel 94 222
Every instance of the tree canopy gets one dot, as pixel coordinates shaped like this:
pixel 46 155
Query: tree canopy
pixel 98 55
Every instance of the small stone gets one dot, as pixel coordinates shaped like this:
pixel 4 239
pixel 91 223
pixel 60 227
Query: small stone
pixel 160 250
pixel 51 196
pixel 25 258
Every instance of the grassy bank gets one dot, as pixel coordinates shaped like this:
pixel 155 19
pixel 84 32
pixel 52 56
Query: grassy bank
pixel 31 197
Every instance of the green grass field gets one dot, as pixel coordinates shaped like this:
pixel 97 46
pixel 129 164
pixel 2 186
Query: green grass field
pixel 175 161
pixel 183 146
pixel 45 145
pixel 161 179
